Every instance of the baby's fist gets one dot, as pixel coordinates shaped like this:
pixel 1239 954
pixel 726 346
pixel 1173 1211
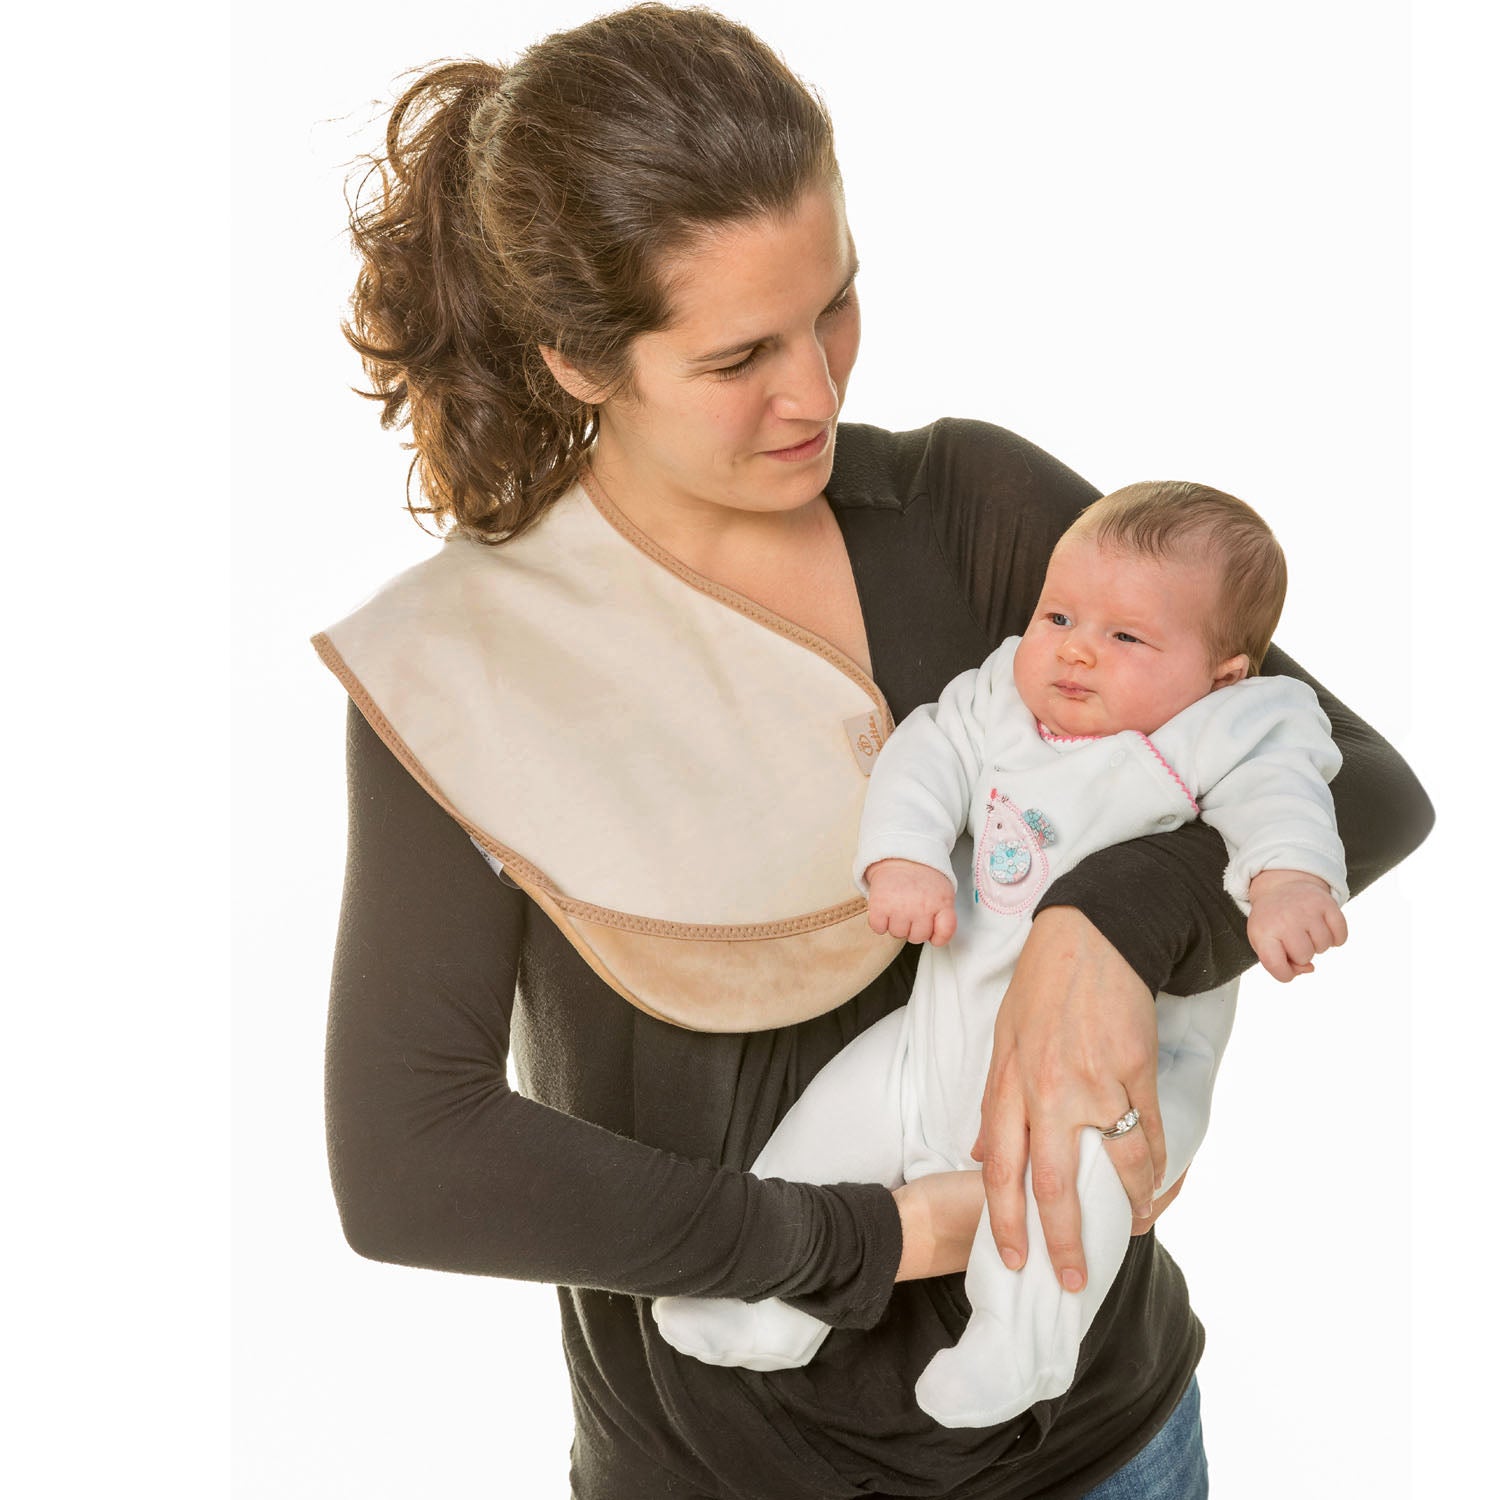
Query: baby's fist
pixel 1292 916
pixel 911 901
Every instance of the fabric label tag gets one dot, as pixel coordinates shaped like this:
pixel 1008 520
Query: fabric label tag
pixel 866 736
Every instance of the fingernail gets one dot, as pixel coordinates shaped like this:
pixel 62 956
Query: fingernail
pixel 1143 1210
pixel 1073 1281
pixel 1012 1259
pixel 1161 1177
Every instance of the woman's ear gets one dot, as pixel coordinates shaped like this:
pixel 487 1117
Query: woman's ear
pixel 571 378
pixel 1235 669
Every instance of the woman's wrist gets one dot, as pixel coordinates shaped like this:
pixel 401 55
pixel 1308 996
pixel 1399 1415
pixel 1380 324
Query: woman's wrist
pixel 939 1215
pixel 1190 936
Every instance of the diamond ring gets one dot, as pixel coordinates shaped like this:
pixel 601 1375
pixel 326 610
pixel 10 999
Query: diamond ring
pixel 1123 1126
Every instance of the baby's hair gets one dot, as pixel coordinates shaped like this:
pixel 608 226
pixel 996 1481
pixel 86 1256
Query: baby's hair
pixel 1177 519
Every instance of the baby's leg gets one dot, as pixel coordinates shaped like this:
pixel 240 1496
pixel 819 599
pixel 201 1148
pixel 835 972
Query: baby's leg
pixel 1021 1344
pixel 845 1128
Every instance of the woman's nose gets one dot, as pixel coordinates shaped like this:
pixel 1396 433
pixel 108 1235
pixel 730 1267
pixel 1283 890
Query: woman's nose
pixel 807 391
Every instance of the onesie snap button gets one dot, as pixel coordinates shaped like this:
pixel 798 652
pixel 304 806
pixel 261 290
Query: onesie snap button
pixel 1165 818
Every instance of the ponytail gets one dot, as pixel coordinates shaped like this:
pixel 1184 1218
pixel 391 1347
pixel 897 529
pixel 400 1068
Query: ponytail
pixel 433 320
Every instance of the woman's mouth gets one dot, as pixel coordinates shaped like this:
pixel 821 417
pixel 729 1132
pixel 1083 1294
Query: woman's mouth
pixel 799 451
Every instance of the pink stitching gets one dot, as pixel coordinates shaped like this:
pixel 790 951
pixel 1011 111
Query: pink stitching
pixel 982 852
pixel 1064 739
pixel 1146 741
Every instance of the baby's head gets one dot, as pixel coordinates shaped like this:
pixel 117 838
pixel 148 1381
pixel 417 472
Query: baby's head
pixel 1155 596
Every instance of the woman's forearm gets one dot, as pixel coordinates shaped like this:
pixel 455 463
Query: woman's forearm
pixel 436 1162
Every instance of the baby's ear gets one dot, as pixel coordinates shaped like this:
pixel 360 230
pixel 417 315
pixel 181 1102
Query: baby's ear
pixel 1235 669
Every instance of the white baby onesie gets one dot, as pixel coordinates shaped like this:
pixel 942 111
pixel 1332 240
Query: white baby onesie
pixel 903 1098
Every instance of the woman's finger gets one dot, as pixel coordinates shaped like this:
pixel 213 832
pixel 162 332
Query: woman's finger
pixel 1001 1151
pixel 1144 1098
pixel 1159 1207
pixel 1054 1184
pixel 1132 1159
pixel 1140 1155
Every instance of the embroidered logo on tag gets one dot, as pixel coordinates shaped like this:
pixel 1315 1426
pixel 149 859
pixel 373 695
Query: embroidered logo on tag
pixel 866 736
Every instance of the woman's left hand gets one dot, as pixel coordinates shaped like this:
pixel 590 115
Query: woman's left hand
pixel 1075 1045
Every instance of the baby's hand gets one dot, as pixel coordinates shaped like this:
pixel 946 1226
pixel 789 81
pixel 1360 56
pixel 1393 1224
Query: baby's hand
pixel 910 901
pixel 1292 916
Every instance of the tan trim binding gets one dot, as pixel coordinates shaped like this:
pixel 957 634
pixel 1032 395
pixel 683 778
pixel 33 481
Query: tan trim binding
pixel 737 602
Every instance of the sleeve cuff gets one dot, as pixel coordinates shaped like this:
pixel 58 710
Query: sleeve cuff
pixel 1316 862
pixel 920 848
pixel 861 1300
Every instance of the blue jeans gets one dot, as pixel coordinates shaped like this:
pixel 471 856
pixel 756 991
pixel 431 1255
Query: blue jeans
pixel 1172 1466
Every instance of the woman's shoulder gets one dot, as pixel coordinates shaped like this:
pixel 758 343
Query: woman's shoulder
pixel 956 463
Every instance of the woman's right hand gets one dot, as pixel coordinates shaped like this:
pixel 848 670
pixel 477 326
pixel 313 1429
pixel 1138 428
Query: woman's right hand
pixel 939 1215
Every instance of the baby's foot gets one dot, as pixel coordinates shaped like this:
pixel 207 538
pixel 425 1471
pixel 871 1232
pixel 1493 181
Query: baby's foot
pixel 980 1381
pixel 752 1335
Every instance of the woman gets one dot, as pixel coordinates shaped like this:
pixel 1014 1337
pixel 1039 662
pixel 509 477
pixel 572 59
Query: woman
pixel 624 264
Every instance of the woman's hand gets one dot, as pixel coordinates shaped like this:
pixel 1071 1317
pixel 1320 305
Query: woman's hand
pixel 1075 1045
pixel 939 1214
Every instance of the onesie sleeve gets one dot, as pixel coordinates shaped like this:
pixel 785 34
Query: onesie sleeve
pixel 437 1162
pixel 1261 755
pixel 918 799
pixel 999 505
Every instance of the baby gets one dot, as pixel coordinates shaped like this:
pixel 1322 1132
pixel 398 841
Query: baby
pixel 1129 706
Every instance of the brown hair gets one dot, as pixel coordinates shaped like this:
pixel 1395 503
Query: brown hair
pixel 1177 519
pixel 534 205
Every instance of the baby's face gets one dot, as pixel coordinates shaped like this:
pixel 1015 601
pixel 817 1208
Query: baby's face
pixel 1117 640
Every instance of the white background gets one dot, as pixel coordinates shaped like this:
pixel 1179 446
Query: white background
pixel 1158 239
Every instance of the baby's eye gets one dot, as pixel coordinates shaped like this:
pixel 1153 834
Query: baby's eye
pixel 1055 617
pixel 1122 635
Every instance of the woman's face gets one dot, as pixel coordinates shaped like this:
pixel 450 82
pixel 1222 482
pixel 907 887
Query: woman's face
pixel 732 405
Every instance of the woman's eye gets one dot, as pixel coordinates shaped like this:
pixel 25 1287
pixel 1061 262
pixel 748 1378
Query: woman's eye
pixel 837 306
pixel 728 372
